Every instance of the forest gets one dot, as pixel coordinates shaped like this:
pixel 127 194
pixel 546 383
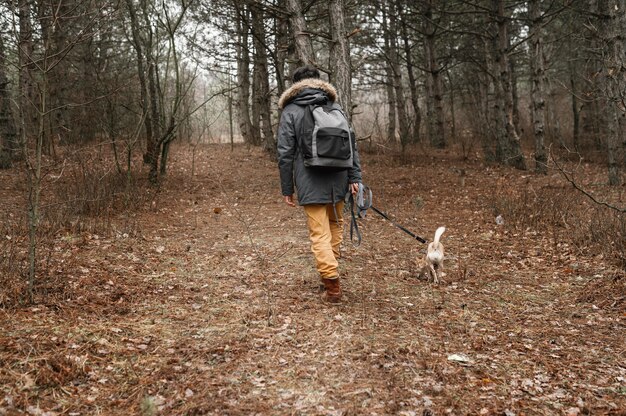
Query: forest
pixel 148 264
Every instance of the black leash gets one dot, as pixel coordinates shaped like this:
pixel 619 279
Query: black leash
pixel 385 216
pixel 363 203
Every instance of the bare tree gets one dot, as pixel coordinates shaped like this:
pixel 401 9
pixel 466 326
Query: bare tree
pixel 34 71
pixel 154 29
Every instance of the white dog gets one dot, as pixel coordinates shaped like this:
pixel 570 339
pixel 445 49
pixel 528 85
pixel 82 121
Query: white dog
pixel 432 265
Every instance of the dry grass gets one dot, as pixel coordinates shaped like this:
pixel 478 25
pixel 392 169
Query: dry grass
pixel 571 218
pixel 563 211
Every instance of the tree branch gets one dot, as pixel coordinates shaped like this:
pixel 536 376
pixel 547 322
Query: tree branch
pixel 583 191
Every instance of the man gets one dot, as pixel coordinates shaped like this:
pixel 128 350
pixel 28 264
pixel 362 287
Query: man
pixel 320 192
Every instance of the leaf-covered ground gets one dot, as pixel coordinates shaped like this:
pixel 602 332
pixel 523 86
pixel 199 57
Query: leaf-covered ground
pixel 210 305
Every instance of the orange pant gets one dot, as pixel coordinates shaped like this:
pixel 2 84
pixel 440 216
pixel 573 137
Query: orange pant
pixel 326 234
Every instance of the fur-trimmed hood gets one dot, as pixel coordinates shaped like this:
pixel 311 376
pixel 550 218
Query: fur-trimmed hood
pixel 308 83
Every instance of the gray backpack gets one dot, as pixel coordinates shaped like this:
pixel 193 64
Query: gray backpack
pixel 326 140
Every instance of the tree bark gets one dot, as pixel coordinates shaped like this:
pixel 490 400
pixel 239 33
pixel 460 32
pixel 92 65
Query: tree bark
pixel 8 131
pixel 514 93
pixel 137 41
pixel 389 83
pixel 537 68
pixel 27 100
pixel 403 121
pixel 575 105
pixel 304 46
pixel 255 109
pixel 282 49
pixel 341 68
pixel 262 98
pixel 614 82
pixel 410 69
pixel 57 33
pixel 508 148
pixel 436 119
pixel 490 137
pixel 452 107
pixel 154 146
pixel 391 105
pixel 243 77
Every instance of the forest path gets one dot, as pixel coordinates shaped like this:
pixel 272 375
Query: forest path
pixel 214 308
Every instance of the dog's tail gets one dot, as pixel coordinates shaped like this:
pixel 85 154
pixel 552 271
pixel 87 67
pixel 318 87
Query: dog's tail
pixel 438 234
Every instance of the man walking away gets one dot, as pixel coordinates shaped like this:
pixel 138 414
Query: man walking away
pixel 321 190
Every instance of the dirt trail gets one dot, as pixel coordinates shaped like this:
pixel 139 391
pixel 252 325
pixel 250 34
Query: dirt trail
pixel 213 308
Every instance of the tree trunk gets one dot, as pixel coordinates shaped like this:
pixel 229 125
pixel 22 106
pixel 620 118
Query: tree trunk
pixel 593 112
pixel 514 94
pixel 45 17
pixel 57 32
pixel 243 78
pixel 256 103
pixel 263 98
pixel 391 95
pixel 8 132
pixel 304 46
pixel 452 107
pixel 436 120
pixel 508 148
pixel 27 92
pixel 614 81
pixel 282 49
pixel 490 138
pixel 165 152
pixel 341 68
pixel 154 146
pixel 417 116
pixel 403 121
pixel 87 129
pixel 143 84
pixel 255 109
pixel 575 110
pixel 391 106
pixel 537 68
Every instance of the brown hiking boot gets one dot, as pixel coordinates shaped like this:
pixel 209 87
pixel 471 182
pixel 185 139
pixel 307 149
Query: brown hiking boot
pixel 333 290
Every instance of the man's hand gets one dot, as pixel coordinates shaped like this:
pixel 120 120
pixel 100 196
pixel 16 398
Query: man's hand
pixel 354 188
pixel 289 200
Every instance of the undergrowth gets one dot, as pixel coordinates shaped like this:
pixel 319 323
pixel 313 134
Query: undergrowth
pixel 81 195
pixel 551 208
pixel 572 218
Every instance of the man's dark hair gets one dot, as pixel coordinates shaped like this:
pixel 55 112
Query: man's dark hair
pixel 304 72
